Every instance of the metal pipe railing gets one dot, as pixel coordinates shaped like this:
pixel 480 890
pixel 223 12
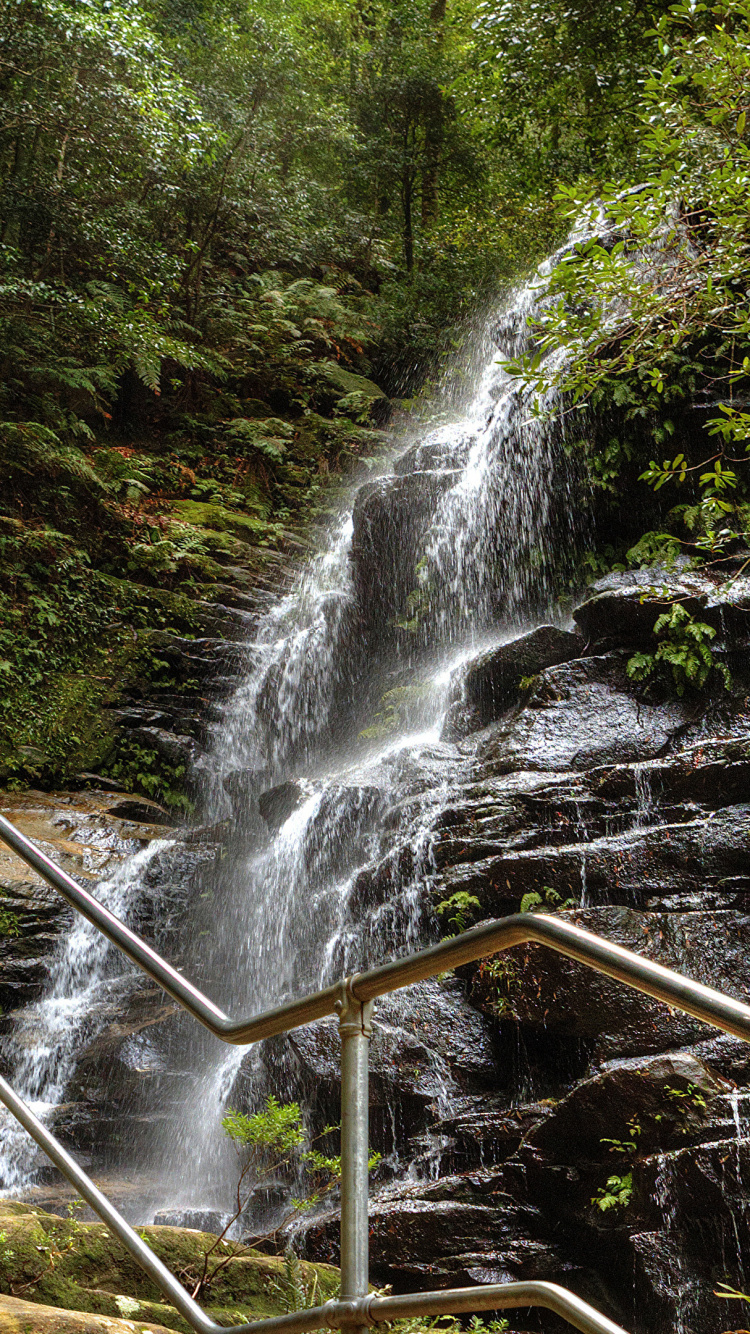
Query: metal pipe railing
pixel 713 1007
pixel 352 999
pixel 355 1312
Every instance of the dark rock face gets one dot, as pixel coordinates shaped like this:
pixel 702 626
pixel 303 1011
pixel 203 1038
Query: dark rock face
pixel 623 608
pixel 391 515
pixel 491 682
pixel 582 714
pixel 278 803
pixel 595 1138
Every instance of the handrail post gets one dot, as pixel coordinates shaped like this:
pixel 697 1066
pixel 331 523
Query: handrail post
pixel 355 1028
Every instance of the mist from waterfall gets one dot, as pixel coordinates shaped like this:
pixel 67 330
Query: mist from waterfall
pixel 297 910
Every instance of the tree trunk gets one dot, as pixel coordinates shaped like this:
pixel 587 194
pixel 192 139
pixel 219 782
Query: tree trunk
pixel 434 130
pixel 407 201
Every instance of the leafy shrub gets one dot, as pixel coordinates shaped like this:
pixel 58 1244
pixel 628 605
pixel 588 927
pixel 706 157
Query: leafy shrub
pixel 683 655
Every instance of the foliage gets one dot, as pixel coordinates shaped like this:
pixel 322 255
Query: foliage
pixel 143 770
pixel 270 1141
pixel 618 1190
pixel 10 925
pixel 216 224
pixel 691 1096
pixel 498 977
pixel 617 1193
pixel 461 906
pixel 95 1274
pixel 683 653
pixel 296 1290
pixel 450 1325
pixel 652 308
pixel 548 898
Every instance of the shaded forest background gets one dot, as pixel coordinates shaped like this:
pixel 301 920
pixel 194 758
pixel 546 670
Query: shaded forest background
pixel 232 237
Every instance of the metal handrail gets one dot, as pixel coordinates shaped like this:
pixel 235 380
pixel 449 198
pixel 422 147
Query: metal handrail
pixel 705 1003
pixel 352 1001
pixel 334 1314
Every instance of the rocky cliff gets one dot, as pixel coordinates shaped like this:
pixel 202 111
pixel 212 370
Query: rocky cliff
pixel 536 1119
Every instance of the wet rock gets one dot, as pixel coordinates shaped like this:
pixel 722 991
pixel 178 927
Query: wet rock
pixel 98 781
pixel 460 1230
pixel 197 1220
pixel 579 715
pixel 242 784
pixel 391 515
pixel 537 986
pixel 623 608
pixel 442 1043
pixel 490 683
pixel 141 810
pixel 433 454
pixel 278 803
pixel 582 1125
pixel 710 772
pixel 482 1130
pixel 243 787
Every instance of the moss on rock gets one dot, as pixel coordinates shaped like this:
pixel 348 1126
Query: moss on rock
pixel 65 1264
pixel 23 1317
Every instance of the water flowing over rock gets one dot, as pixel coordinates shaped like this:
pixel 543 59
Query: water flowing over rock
pixel 420 738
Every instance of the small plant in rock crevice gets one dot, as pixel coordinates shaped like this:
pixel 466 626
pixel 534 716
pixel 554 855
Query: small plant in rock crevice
pixel 547 897
pixel 618 1189
pixel 459 910
pixel 616 1194
pixel 499 978
pixel 683 656
pixel 10 925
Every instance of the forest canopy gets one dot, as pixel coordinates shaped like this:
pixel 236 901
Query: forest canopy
pixel 233 235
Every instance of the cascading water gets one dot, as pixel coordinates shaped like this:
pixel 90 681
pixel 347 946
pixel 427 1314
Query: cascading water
pixel 301 909
pixel 292 911
pixel 49 1035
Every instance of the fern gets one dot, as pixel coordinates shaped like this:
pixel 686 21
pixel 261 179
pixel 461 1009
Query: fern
pixel 684 652
pixel 31 447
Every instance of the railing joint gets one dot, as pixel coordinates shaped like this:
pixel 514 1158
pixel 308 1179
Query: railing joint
pixel 340 1314
pixel 355 1015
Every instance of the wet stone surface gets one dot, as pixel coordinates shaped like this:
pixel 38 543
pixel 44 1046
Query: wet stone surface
pixel 536 1120
pixel 604 1145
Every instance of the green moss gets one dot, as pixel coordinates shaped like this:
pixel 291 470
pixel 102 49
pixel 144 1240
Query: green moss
pixel 53 728
pixel 81 1267
pixel 204 515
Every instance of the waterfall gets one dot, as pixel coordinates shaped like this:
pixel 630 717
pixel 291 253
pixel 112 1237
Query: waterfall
pixel 346 698
pixel 49 1035
pixel 300 909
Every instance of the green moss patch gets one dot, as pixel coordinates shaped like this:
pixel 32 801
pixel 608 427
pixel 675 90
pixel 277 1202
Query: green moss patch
pixel 81 1267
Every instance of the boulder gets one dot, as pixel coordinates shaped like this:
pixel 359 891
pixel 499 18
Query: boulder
pixel 579 715
pixel 18 1316
pixel 278 803
pixel 64 1263
pixel 490 682
pixel 622 608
